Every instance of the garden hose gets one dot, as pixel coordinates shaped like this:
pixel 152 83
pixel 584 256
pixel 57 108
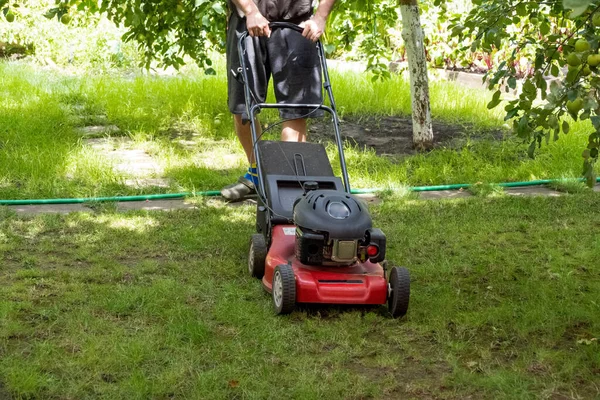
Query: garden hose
pixel 211 193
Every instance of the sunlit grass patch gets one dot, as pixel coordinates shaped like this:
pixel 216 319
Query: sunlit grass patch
pixel 183 123
pixel 569 185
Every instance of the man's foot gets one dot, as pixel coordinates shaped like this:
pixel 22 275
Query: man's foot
pixel 238 191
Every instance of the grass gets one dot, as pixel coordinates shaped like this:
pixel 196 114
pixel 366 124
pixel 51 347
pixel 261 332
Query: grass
pixel 157 305
pixel 183 122
pixel 486 189
pixel 569 186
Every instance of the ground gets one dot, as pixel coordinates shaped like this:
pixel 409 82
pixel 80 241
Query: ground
pixel 392 135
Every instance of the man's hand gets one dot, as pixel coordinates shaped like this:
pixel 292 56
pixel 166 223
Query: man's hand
pixel 313 28
pixel 257 25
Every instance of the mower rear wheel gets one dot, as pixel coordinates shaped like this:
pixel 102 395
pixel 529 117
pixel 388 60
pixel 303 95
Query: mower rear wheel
pixel 399 291
pixel 257 256
pixel 284 289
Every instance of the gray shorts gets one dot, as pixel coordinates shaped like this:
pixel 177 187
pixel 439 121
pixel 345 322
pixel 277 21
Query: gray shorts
pixel 291 59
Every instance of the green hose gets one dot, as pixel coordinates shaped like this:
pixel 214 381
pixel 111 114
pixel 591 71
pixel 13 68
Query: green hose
pixel 218 193
pixel 108 199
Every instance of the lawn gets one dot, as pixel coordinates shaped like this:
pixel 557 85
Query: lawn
pixel 43 155
pixel 159 305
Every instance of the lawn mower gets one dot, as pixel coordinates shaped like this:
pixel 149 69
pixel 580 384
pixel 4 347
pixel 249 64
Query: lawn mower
pixel 315 242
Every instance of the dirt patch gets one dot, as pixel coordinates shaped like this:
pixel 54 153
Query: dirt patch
pixel 392 135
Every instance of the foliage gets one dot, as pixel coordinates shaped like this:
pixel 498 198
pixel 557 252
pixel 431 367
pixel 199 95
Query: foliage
pixel 87 42
pixel 165 30
pixel 168 31
pixel 366 23
pixel 558 41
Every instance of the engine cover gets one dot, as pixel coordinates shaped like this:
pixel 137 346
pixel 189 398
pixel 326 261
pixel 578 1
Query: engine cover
pixel 340 215
pixel 335 228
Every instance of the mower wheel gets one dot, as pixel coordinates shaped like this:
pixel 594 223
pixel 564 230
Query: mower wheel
pixel 400 291
pixel 257 256
pixel 284 289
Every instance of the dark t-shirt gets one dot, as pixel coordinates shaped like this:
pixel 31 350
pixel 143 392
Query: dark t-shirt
pixel 283 10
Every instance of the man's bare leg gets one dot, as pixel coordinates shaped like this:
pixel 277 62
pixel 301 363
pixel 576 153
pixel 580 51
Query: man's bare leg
pixel 245 184
pixel 245 137
pixel 294 130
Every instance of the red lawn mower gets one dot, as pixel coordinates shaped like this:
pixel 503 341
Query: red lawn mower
pixel 315 242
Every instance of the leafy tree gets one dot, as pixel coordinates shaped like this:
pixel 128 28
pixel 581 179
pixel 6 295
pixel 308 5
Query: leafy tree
pixel 169 30
pixel 556 39
pixel 166 30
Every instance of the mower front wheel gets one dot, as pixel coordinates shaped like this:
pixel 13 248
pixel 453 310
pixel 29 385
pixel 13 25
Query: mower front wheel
pixel 399 295
pixel 257 256
pixel 284 289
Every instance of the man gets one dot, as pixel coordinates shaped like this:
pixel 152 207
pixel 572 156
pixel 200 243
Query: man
pixel 290 59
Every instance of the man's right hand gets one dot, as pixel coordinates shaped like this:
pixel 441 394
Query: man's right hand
pixel 257 25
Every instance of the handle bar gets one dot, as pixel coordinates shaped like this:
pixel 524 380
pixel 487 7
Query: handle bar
pixel 251 110
pixel 287 25
pixel 275 25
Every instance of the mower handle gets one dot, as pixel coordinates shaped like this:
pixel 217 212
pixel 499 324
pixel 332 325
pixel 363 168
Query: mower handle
pixel 287 25
pixel 251 109
pixel 275 25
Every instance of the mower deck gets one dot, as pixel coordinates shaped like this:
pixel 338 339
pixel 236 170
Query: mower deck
pixel 360 283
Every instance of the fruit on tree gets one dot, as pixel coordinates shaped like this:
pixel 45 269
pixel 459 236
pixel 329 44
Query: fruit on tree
pixel 586 70
pixel 582 45
pixel 65 19
pixel 593 60
pixel 575 105
pixel 10 17
pixel 596 19
pixel 573 60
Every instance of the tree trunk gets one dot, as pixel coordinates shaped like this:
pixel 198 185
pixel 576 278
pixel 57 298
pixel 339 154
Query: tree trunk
pixel 412 33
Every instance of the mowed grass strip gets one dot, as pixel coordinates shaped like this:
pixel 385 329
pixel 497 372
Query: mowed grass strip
pixel 156 305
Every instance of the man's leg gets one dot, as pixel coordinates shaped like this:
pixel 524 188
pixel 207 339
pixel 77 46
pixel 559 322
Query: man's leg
pixel 294 130
pixel 246 184
pixel 258 80
pixel 245 137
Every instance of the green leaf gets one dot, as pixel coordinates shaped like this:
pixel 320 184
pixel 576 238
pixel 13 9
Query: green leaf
pixel 578 6
pixel 495 100
pixel 531 149
pixel 523 125
pixel 218 7
pixel 511 114
pixel 512 82
pixel 529 89
pixel 553 121
pixel 565 127
pixel 588 173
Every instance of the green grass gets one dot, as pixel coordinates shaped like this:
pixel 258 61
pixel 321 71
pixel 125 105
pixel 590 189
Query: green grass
pixel 43 156
pixel 569 186
pixel 156 305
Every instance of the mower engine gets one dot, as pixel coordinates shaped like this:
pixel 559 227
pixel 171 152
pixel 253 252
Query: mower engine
pixel 335 228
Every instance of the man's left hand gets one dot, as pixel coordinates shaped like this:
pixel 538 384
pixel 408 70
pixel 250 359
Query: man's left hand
pixel 313 28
